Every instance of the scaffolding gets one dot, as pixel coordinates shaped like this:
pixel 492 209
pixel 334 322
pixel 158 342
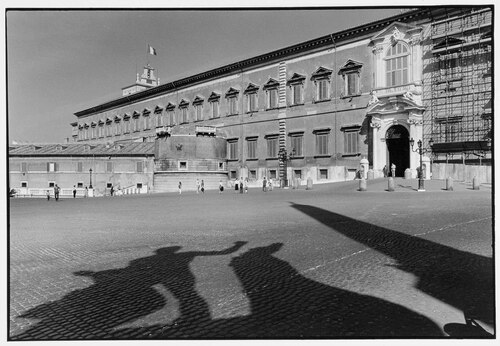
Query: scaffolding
pixel 457 87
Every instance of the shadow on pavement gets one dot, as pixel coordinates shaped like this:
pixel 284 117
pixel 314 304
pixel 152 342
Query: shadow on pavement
pixel 284 304
pixel 458 278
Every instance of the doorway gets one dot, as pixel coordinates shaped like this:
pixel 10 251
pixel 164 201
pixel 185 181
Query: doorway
pixel 398 148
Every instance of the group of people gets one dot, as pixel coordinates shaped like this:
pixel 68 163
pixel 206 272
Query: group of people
pixel 240 186
pixel 267 184
pixel 57 191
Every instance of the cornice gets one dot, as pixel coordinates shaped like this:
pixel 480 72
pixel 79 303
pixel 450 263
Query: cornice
pixel 344 36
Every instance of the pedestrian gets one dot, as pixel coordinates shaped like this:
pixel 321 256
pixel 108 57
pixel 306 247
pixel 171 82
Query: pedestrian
pixel 202 186
pixel 241 185
pixel 384 170
pixel 236 186
pixel 112 190
pixel 48 195
pixel 197 186
pixel 74 191
pixel 56 192
pixel 180 187
pixel 393 170
pixel 270 184
pixel 264 184
pixel 86 192
pixel 221 187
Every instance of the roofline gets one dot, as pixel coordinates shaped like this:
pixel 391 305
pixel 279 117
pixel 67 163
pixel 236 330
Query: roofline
pixel 341 36
pixel 79 155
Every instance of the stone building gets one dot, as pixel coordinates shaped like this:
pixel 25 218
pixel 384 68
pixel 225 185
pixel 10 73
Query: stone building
pixel 315 109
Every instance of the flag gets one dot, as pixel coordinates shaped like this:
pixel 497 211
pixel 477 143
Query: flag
pixel 152 51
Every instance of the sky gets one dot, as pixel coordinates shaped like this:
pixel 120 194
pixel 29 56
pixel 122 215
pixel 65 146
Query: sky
pixel 63 61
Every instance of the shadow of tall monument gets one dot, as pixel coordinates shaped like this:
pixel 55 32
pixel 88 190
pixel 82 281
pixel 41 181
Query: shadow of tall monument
pixel 458 278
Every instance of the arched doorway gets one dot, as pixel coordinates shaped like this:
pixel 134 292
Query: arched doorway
pixel 398 149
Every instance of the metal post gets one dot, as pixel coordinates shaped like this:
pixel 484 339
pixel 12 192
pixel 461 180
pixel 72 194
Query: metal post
pixel 420 175
pixel 90 185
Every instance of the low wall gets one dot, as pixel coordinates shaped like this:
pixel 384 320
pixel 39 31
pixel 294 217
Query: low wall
pixel 461 172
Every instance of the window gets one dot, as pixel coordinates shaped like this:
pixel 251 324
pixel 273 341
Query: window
pixel 109 185
pixel 323 173
pixel 351 84
pixel 79 167
pixel 252 148
pixel 126 126
pixel 296 84
pixel 24 167
pixel 117 128
pixel 272 98
pixel 214 105
pixel 297 141
pixel 397 65
pixel 322 91
pixel 109 167
pixel 272 146
pixel 351 143
pixel 51 167
pixel 93 133
pixel 183 165
pixel 101 130
pixel 322 142
pixel 252 174
pixel 232 101
pixel 271 88
pixel 24 184
pixel 221 166
pixel 79 184
pixel 52 183
pixel 272 174
pixel 139 167
pixel 233 149
pixel 146 122
pixel 170 116
pixel 252 102
pixel 233 174
pixel 321 79
pixel 139 185
pixel 232 105
pixel 297 173
pixel 198 110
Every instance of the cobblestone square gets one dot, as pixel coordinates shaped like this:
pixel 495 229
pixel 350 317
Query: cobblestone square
pixel 331 262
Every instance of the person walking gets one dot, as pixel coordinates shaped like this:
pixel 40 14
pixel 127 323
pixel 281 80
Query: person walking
pixel 270 184
pixel 48 195
pixel 221 187
pixel 197 186
pixel 180 187
pixel 86 192
pixel 56 192
pixel 241 185
pixel 202 186
pixel 112 190
pixel 74 191
pixel 264 184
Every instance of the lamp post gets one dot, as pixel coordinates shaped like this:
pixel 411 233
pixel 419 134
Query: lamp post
pixel 420 152
pixel 90 171
pixel 285 156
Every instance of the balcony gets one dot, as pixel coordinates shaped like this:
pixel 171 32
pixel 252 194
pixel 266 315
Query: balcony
pixel 163 130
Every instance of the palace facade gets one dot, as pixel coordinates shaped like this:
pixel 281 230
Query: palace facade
pixel 316 109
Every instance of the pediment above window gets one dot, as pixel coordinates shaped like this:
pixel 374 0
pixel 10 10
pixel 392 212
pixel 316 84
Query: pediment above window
pixel 158 108
pixel 322 72
pixel 396 31
pixel 214 97
pixel 93 124
pixel 296 79
pixel 146 111
pixel 86 126
pixel 232 92
pixel 136 114
pixel 251 88
pixel 117 118
pixel 100 122
pixel 126 116
pixel 350 66
pixel 184 103
pixel 170 106
pixel 271 84
pixel 198 100
pixel 109 120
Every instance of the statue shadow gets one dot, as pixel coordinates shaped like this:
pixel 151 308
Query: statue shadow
pixel 458 278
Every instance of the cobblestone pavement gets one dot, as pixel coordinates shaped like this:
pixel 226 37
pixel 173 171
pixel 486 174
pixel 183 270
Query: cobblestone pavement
pixel 327 263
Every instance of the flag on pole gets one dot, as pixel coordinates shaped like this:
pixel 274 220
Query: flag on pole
pixel 151 50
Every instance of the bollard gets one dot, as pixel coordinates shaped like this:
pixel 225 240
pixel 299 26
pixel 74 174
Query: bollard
pixel 371 174
pixel 362 185
pixel 407 173
pixel 449 184
pixel 390 186
pixel 475 183
pixel 309 184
